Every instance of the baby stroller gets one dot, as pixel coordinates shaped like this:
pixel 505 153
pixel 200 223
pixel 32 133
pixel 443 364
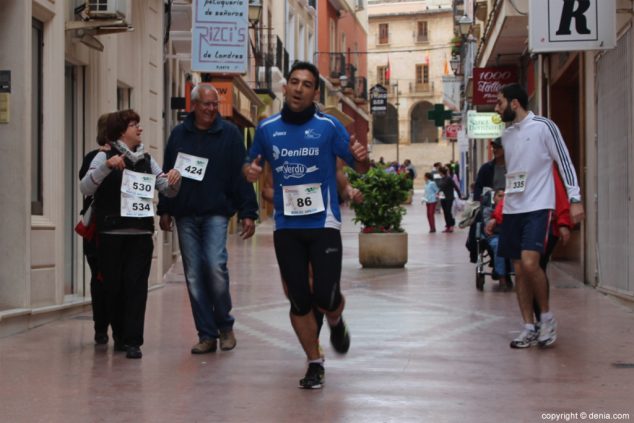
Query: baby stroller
pixel 484 253
pixel 484 256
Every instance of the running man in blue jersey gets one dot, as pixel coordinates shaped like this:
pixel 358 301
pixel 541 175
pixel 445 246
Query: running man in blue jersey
pixel 302 146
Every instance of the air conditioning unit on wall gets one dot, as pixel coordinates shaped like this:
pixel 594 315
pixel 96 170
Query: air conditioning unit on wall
pixel 107 9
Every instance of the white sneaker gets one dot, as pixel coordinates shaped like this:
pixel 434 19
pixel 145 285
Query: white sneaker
pixel 547 332
pixel 525 339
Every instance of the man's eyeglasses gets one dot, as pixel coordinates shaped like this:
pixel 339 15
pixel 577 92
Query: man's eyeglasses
pixel 134 125
pixel 209 104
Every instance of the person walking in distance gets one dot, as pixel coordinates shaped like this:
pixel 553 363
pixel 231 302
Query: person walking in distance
pixel 301 145
pixel 430 199
pixel 447 187
pixel 531 144
pixel 209 152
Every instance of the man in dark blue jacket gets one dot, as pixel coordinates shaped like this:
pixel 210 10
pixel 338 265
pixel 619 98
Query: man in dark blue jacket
pixel 209 152
pixel 492 173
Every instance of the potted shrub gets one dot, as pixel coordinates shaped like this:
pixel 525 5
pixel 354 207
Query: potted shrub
pixel 456 45
pixel 382 241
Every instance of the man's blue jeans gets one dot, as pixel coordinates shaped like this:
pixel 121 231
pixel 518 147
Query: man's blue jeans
pixel 203 244
pixel 499 263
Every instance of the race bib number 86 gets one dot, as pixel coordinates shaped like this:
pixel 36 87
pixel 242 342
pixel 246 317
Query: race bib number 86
pixel 301 200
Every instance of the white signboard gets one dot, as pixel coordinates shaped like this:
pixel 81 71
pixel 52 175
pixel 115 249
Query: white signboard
pixel 451 91
pixel 220 37
pixel 463 141
pixel 556 25
pixel 484 125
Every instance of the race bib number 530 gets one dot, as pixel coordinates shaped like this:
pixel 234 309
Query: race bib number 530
pixel 138 184
pixel 300 200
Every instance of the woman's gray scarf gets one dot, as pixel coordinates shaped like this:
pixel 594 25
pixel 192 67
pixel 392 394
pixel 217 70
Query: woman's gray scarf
pixel 133 156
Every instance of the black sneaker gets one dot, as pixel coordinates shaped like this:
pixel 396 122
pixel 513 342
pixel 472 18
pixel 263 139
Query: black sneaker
pixel 133 352
pixel 315 377
pixel 339 337
pixel 101 338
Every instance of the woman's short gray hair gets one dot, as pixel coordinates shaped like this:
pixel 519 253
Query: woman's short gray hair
pixel 195 94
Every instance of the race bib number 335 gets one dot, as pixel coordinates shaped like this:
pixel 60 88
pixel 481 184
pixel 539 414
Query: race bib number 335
pixel 515 182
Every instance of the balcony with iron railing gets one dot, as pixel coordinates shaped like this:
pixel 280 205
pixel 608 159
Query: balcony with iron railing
pixel 337 66
pixel 270 58
pixel 424 88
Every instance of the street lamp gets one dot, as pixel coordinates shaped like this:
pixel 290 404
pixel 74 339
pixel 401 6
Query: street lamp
pixel 464 25
pixel 395 86
pixel 255 12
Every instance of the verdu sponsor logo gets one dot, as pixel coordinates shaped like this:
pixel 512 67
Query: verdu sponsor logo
pixel 295 170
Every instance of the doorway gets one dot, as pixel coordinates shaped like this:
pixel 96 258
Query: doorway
pixel 566 111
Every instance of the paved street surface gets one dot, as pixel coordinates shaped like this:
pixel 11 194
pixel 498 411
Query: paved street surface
pixel 426 347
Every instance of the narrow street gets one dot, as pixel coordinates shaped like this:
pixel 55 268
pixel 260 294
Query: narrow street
pixel 426 347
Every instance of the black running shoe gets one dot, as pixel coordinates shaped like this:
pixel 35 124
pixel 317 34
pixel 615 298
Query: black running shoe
pixel 101 338
pixel 315 377
pixel 339 337
pixel 134 352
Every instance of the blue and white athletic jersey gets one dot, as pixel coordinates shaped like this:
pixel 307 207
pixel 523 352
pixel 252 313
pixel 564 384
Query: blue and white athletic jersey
pixel 303 154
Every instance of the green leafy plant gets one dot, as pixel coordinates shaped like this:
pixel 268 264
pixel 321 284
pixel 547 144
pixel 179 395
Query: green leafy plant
pixel 456 44
pixel 383 194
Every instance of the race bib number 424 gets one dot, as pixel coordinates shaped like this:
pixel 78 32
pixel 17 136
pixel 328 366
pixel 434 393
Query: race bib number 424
pixel 191 167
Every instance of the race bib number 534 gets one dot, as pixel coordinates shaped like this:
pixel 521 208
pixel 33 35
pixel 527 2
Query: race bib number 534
pixel 133 206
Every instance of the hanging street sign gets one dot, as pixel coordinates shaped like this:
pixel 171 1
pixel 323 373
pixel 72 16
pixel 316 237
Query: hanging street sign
pixel 556 25
pixel 451 130
pixel 378 100
pixel 487 82
pixel 220 37
pixel 439 115
pixel 484 125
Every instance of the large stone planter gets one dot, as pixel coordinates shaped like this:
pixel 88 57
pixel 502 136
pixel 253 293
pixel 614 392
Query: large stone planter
pixel 383 250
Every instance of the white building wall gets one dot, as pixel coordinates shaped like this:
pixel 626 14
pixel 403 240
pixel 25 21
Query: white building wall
pixel 404 53
pixel 33 254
